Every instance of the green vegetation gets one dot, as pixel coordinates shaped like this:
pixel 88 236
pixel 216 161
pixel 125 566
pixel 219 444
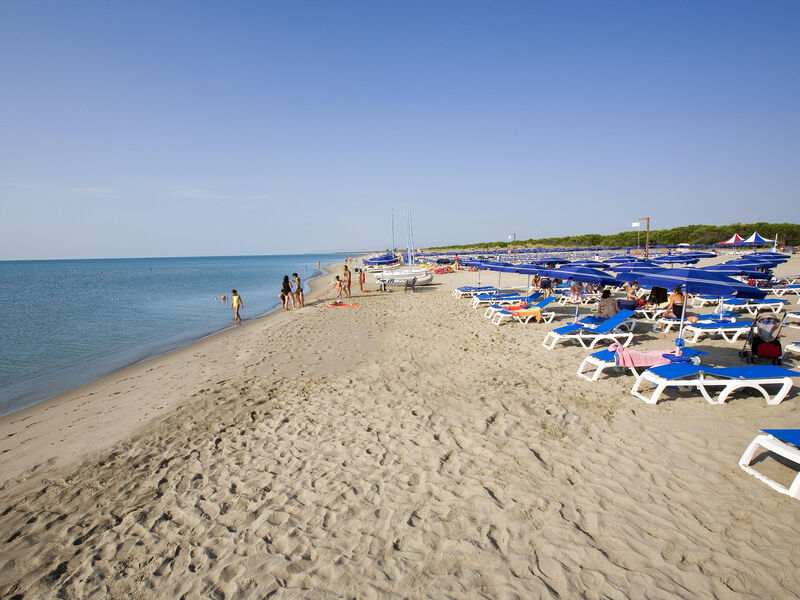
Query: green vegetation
pixel 788 235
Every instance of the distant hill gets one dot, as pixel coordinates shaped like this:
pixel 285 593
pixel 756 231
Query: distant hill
pixel 788 235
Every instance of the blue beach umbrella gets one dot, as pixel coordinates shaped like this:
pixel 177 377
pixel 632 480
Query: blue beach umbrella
pixel 735 270
pixel 752 264
pixel 635 271
pixel 622 258
pixel 551 260
pixel 700 281
pixel 594 264
pixel 701 254
pixel 582 274
pixel 675 259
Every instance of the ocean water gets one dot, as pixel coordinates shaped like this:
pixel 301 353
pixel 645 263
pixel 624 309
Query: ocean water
pixel 65 323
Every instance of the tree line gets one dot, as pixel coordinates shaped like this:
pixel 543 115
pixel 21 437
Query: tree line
pixel 707 235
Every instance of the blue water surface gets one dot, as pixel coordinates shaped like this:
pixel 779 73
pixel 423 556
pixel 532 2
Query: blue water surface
pixel 65 323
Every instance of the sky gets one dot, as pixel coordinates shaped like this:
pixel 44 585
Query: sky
pixel 210 128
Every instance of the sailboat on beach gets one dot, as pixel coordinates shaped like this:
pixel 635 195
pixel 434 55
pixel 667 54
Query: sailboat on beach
pixel 402 273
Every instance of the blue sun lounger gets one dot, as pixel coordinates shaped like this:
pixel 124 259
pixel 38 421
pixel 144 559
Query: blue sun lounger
pixel 725 317
pixel 503 298
pixel 702 377
pixel 470 290
pixel 527 313
pixel 730 331
pixel 610 329
pixel 783 442
pixel 607 359
pixel 750 305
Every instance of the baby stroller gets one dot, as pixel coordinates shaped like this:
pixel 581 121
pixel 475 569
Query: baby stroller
pixel 763 338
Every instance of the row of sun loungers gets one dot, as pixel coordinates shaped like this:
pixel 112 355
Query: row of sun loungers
pixel 658 374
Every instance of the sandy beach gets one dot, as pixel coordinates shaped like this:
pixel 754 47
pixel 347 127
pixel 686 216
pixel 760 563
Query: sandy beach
pixel 402 448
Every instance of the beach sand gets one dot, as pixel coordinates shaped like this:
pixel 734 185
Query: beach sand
pixel 404 448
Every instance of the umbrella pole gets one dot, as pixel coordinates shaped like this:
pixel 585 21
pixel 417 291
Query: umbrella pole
pixel 679 339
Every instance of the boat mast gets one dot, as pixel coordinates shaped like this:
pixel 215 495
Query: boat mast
pixel 393 246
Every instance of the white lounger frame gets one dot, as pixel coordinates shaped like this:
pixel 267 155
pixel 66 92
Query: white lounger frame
pixel 699 301
pixel 701 383
pixel 752 308
pixel 625 330
pixel 499 316
pixel 601 365
pixel 722 330
pixel 780 448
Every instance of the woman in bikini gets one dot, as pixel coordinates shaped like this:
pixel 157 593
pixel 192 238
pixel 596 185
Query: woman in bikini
pixel 676 302
pixel 298 291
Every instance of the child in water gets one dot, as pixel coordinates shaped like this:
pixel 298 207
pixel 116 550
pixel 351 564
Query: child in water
pixel 236 304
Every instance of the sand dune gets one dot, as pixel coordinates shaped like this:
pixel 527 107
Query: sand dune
pixel 403 448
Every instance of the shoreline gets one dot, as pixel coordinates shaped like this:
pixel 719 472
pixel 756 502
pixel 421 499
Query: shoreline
pixel 33 419
pixel 188 342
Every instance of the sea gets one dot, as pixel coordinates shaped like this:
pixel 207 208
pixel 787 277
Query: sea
pixel 65 323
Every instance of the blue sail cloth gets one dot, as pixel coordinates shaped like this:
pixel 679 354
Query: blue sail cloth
pixel 700 281
pixel 385 259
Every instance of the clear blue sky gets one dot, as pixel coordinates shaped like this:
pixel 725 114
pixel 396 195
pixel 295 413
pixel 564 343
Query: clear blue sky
pixel 201 128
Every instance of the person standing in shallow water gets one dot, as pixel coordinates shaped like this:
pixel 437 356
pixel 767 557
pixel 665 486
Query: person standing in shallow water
pixel 236 304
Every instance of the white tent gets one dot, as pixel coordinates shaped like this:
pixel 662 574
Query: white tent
pixel 756 239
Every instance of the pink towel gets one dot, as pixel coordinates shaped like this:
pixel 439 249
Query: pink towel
pixel 638 358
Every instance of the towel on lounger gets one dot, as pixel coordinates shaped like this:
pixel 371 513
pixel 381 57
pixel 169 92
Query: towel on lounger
pixel 637 358
pixel 526 312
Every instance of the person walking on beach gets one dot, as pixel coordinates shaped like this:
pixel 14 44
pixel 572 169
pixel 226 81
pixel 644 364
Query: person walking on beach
pixel 347 276
pixel 298 291
pixel 286 293
pixel 362 278
pixel 236 304
pixel 546 286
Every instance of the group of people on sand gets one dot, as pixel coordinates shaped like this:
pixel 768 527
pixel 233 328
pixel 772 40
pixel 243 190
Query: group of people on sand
pixel 608 306
pixel 292 291
pixel 343 284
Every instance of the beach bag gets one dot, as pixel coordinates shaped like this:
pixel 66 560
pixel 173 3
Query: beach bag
pixel 764 349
